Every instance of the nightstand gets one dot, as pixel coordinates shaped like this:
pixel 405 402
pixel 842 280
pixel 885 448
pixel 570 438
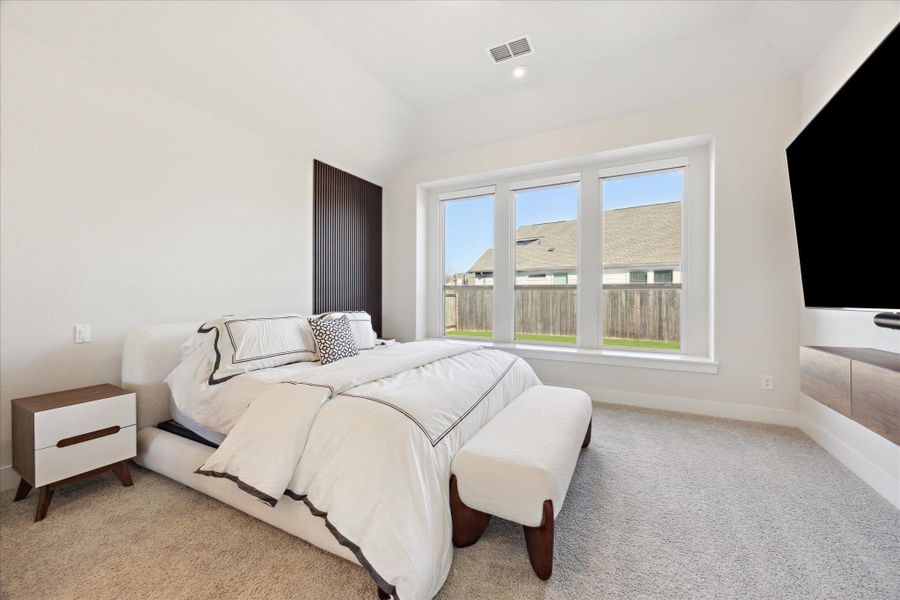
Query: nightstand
pixel 66 436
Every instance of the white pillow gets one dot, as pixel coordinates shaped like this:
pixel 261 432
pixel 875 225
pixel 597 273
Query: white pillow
pixel 360 325
pixel 243 344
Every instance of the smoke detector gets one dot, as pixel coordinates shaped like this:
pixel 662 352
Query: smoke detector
pixel 515 48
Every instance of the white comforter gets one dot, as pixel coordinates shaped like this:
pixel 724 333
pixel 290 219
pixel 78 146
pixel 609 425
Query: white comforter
pixel 367 443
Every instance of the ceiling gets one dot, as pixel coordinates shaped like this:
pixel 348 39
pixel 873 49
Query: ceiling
pixel 369 85
pixel 432 54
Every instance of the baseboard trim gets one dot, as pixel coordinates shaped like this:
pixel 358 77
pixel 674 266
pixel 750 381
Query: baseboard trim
pixel 9 479
pixel 846 441
pixel 708 408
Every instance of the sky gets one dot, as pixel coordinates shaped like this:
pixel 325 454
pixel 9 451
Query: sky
pixel 469 223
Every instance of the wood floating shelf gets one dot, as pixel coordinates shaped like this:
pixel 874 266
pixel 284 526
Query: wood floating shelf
pixel 860 383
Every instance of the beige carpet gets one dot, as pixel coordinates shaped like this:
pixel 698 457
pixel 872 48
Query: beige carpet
pixel 661 506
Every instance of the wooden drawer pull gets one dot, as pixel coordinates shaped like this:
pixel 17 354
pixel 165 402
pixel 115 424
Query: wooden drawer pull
pixel 77 439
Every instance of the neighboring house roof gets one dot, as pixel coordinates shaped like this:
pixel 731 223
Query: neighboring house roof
pixel 636 236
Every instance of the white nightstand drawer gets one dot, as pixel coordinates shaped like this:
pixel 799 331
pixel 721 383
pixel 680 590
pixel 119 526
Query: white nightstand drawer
pixel 51 426
pixel 54 463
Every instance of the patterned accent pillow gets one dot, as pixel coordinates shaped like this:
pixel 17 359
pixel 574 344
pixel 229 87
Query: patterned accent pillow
pixel 334 338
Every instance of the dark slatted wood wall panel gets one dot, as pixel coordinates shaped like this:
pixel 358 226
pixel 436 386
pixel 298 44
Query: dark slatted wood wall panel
pixel 347 243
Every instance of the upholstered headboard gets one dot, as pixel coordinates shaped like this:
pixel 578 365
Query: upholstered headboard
pixel 150 354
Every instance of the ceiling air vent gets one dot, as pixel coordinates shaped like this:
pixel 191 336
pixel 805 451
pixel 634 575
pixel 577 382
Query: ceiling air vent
pixel 511 49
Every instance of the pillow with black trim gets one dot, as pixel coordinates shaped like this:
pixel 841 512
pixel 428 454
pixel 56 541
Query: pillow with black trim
pixel 334 338
pixel 244 344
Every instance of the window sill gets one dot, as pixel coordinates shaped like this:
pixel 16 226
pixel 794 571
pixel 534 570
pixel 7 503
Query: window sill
pixel 619 358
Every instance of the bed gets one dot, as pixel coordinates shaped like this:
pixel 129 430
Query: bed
pixel 359 450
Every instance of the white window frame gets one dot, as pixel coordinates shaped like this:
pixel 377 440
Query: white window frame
pixel 460 196
pixel 546 181
pixel 697 308
pixel 645 168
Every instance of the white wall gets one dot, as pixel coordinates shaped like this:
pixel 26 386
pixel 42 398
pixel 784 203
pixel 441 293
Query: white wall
pixel 757 273
pixel 122 206
pixel 871 457
pixel 256 64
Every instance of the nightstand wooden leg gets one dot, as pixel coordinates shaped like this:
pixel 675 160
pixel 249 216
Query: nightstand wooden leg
pixel 24 488
pixel 43 503
pixel 122 472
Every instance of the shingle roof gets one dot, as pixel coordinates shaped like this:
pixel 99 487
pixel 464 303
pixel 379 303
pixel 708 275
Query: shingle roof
pixel 636 236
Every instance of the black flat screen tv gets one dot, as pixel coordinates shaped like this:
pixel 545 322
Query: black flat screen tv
pixel 845 182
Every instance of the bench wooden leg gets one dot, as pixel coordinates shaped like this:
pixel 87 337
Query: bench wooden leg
pixel 539 541
pixel 468 523
pixel 587 435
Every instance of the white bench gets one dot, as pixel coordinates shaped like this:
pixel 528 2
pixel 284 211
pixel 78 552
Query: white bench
pixel 518 467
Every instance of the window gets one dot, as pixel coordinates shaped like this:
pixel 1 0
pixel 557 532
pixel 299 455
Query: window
pixel 545 303
pixel 642 227
pixel 611 260
pixel 662 277
pixel 468 266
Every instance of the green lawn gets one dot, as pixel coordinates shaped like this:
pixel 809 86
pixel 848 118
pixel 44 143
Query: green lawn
pixel 570 339
pixel 537 337
pixel 642 343
pixel 485 334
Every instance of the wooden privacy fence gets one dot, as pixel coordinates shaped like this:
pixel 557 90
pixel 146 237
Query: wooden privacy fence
pixel 546 309
pixel 469 308
pixel 642 311
pixel 631 311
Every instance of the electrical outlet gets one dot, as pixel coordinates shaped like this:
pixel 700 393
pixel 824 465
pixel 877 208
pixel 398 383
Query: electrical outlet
pixel 767 382
pixel 82 334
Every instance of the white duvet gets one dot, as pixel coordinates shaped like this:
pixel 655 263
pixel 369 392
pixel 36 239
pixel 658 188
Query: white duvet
pixel 367 442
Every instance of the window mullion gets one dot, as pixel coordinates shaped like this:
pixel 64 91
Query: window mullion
pixel 590 265
pixel 504 277
pixel 435 289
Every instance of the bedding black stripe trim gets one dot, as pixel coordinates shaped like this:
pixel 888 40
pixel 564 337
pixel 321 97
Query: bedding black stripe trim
pixel 334 392
pixel 483 396
pixel 212 379
pixel 380 581
pixel 432 441
pixel 397 408
pixel 244 487
pixel 243 360
pixel 321 385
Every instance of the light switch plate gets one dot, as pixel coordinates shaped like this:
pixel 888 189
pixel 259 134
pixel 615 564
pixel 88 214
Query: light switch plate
pixel 82 334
